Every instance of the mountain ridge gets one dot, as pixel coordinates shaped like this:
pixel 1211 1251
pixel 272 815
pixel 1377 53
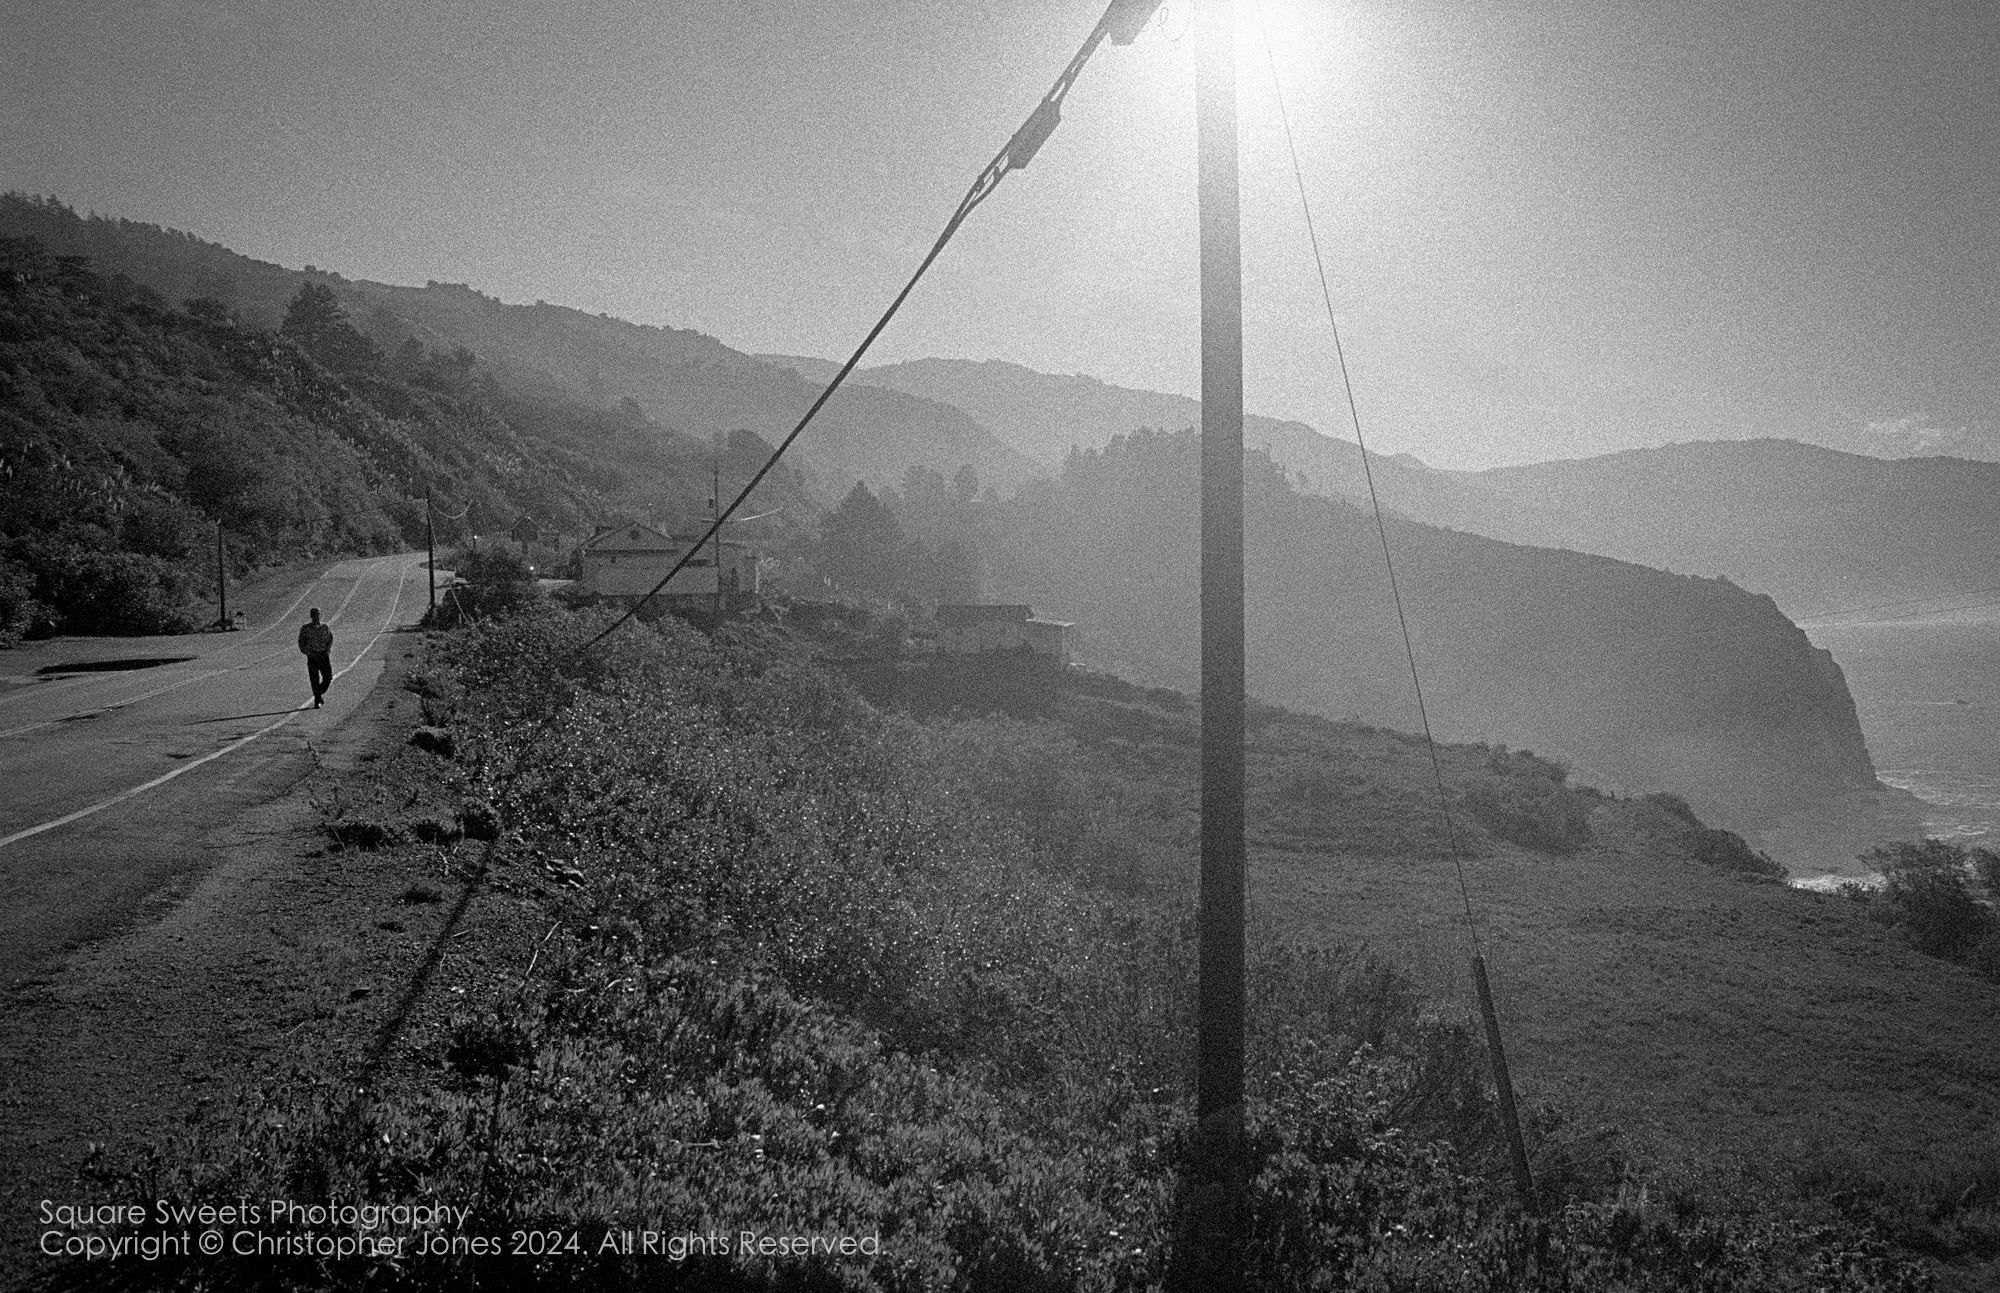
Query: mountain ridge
pixel 1817 528
pixel 686 380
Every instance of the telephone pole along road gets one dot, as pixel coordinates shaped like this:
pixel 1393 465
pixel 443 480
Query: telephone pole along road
pixel 109 771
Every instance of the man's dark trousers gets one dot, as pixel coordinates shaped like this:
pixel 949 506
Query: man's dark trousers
pixel 319 672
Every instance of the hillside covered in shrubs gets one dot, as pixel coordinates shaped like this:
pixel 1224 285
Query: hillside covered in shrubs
pixel 683 380
pixel 132 430
pixel 922 976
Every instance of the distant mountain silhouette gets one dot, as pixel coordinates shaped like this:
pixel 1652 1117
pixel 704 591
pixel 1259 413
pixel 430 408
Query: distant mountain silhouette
pixel 1817 529
pixel 681 379
pixel 1044 416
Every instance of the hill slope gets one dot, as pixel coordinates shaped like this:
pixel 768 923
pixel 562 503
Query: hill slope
pixel 130 432
pixel 686 381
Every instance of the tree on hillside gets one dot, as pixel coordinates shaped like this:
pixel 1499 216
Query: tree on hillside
pixel 861 546
pixel 864 546
pixel 946 573
pixel 315 320
pixel 494 583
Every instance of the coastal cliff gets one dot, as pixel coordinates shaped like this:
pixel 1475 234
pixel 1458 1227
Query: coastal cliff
pixel 1639 679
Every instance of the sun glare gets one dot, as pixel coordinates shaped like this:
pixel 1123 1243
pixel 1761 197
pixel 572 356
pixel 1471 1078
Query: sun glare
pixel 1306 39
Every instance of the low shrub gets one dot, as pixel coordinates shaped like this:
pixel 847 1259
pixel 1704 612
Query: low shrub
pixel 1533 811
pixel 1673 806
pixel 1926 882
pixel 365 833
pixel 429 681
pixel 21 615
pixel 434 740
pixel 495 583
pixel 88 589
pixel 1986 865
pixel 478 821
pixel 1728 851
pixel 1670 815
pixel 431 830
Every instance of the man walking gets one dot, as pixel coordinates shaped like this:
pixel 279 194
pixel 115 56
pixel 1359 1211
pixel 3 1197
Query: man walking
pixel 316 644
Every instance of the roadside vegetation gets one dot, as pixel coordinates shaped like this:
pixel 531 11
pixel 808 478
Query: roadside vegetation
pixel 819 967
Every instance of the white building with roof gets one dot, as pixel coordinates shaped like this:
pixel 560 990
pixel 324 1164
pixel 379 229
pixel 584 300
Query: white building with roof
pixel 969 629
pixel 629 560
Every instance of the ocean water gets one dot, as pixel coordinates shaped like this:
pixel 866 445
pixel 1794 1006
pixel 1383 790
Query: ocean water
pixel 1927 692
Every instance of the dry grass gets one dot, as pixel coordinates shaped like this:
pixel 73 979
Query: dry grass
pixel 1719 1032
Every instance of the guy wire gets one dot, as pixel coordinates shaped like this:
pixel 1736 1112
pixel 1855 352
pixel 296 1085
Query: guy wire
pixel 1374 502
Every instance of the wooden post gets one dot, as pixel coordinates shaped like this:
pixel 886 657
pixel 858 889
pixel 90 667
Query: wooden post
pixel 715 510
pixel 1517 1149
pixel 431 551
pixel 221 580
pixel 1220 1211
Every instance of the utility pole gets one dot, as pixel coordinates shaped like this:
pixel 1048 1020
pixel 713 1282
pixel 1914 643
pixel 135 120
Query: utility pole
pixel 431 550
pixel 221 580
pixel 714 510
pixel 1220 1211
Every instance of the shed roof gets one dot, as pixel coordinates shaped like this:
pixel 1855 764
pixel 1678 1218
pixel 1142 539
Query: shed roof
pixel 633 536
pixel 959 614
pixel 637 536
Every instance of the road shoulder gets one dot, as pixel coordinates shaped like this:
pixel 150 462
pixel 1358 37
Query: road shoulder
pixel 281 951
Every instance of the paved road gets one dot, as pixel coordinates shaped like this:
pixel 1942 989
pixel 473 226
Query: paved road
pixel 107 774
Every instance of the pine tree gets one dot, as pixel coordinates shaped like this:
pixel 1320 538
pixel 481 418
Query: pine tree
pixel 315 320
pixel 861 546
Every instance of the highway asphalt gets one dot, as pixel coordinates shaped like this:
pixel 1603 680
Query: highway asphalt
pixel 110 773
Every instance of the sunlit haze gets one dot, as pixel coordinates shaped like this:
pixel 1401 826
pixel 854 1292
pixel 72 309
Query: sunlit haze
pixel 1552 230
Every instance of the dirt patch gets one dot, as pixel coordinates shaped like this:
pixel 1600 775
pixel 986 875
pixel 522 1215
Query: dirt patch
pixel 277 949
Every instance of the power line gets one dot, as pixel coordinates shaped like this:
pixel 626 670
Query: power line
pixel 1121 22
pixel 1374 500
pixel 1802 620
pixel 1523 1178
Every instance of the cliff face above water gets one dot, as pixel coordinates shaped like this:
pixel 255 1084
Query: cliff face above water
pixel 1640 679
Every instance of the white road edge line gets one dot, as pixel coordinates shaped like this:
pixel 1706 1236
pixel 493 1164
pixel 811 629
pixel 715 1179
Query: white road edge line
pixel 124 795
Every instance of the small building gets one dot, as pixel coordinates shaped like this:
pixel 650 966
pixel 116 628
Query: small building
pixel 627 561
pixel 967 629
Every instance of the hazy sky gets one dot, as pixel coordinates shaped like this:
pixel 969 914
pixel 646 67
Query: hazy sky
pixel 1555 228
